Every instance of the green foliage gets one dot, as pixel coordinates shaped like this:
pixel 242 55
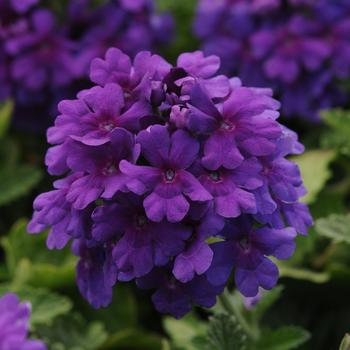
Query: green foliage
pixel 335 227
pixel 184 333
pixel 337 135
pixel 225 333
pixel 314 166
pixel 284 338
pixel 17 182
pixel 183 12
pixel 46 305
pixel 29 261
pixel 71 332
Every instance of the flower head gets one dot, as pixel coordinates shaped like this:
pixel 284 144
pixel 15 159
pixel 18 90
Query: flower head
pixel 157 160
pixel 299 48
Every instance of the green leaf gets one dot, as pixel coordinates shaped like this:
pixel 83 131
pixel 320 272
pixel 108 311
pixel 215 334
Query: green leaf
pixel 314 167
pixel 29 261
pixel 71 332
pixel 335 227
pixel 345 344
pixel 183 332
pixel 17 182
pixel 225 333
pixel 6 110
pixel 46 305
pixel 338 132
pixel 268 299
pixel 284 338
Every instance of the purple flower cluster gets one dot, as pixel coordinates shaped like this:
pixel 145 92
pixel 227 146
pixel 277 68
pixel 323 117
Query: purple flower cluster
pixel 300 48
pixel 43 60
pixel 14 320
pixel 174 177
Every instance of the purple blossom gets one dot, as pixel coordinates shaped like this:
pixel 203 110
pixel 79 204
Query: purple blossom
pixel 300 48
pixel 157 163
pixel 15 319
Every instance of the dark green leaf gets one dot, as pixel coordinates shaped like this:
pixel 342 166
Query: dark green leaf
pixel 17 182
pixel 284 338
pixel 29 261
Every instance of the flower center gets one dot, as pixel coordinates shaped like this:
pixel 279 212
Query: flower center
pixel 215 176
pixel 244 243
pixel 109 169
pixel 227 126
pixel 169 175
pixel 141 221
pixel 108 126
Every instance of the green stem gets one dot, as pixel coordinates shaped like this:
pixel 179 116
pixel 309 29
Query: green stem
pixel 232 309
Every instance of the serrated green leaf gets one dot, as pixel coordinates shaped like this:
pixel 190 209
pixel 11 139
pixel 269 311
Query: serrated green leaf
pixel 71 332
pixel 17 182
pixel 314 167
pixel 268 299
pixel 6 110
pixel 337 135
pixel 284 338
pixel 46 305
pixel 345 344
pixel 43 267
pixel 335 227
pixel 225 333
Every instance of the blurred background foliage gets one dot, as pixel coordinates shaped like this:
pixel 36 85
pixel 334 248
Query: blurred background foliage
pixel 310 311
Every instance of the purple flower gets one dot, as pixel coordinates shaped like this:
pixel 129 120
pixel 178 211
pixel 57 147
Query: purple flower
pixel 15 319
pixel 159 161
pixel 169 184
pixel 283 45
pixel 244 122
pixel 250 248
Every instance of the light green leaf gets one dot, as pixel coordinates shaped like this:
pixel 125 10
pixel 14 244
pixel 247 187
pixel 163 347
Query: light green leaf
pixel 345 344
pixel 225 333
pixel 183 332
pixel 335 227
pixel 17 182
pixel 71 332
pixel 46 305
pixel 6 110
pixel 314 167
pixel 284 338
